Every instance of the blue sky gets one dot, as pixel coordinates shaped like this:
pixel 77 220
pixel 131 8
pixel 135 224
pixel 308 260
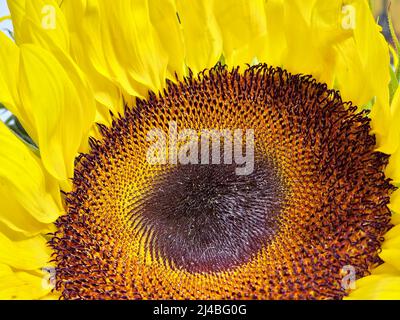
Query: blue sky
pixel 3 26
pixel 4 12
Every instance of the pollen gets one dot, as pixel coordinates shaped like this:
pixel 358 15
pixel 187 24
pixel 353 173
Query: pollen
pixel 314 203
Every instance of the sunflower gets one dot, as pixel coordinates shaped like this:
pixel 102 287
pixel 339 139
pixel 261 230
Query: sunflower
pixel 85 215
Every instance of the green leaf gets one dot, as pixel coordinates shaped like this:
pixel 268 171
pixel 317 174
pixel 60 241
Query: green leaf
pixel 394 83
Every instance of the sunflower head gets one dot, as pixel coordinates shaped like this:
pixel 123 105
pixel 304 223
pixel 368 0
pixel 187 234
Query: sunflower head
pixel 304 212
pixel 222 150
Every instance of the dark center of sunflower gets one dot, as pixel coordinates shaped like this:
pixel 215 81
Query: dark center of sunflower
pixel 208 218
pixel 315 203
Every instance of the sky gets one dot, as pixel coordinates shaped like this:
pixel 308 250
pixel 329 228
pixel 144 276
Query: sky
pixel 4 26
pixel 4 12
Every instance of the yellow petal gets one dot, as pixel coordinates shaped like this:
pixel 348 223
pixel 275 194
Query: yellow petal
pixel 106 93
pixel 86 106
pixel 9 53
pixel 392 139
pixel 310 48
pixel 165 21
pixel 29 254
pixel 391 256
pixel 17 10
pixel 63 102
pixel 374 53
pixel 86 26
pixel 5 270
pixel 43 23
pixel 21 286
pixel 62 113
pixel 377 287
pixel 9 66
pixel 51 296
pixel 396 218
pixel 385 268
pixel 40 22
pixel 392 234
pixel 272 45
pixel 16 217
pixel 24 189
pixel 84 22
pixel 391 247
pixel 202 37
pixel 241 23
pixel 297 59
pixel 362 71
pixel 395 202
pixel 392 170
pixel 136 59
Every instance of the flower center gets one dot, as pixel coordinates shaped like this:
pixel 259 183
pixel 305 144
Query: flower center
pixel 314 203
pixel 206 218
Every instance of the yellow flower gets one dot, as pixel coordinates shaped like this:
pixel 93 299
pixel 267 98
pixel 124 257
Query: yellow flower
pixel 102 222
